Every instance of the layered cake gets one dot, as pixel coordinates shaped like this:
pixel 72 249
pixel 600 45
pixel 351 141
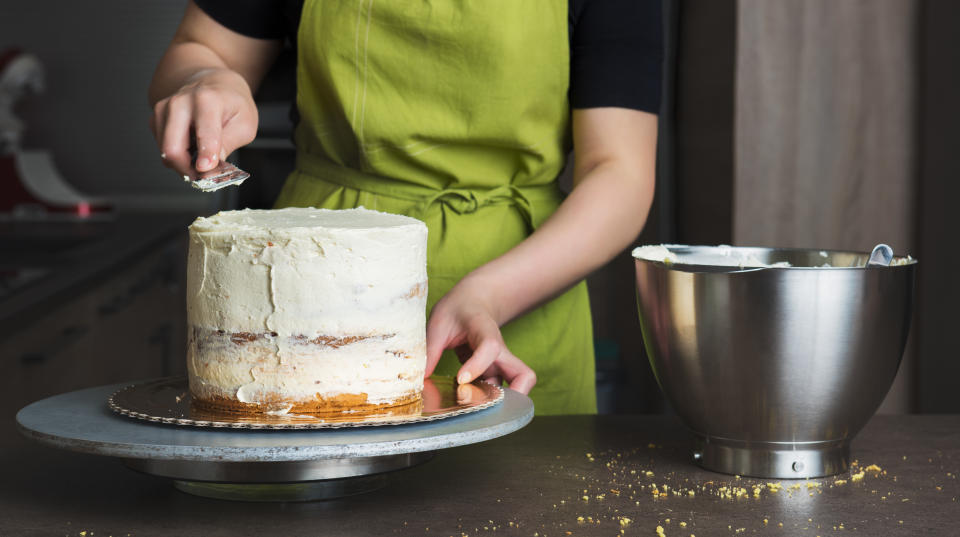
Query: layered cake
pixel 306 310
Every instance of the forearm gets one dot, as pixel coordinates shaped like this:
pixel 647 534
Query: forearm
pixel 184 62
pixel 601 217
pixel 200 46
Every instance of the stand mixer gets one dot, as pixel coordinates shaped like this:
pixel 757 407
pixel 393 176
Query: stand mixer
pixel 33 188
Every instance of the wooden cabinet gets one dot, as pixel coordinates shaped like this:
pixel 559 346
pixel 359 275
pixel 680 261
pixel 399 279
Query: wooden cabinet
pixel 129 325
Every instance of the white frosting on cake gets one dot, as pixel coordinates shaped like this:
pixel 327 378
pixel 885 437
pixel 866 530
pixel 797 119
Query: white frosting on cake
pixel 324 302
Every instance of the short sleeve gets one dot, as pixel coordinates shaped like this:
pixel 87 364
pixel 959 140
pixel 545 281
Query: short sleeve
pixel 261 19
pixel 616 54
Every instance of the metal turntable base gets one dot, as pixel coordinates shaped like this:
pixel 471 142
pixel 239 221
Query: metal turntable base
pixel 260 465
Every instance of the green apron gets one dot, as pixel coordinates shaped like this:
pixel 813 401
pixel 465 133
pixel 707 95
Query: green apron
pixel 454 112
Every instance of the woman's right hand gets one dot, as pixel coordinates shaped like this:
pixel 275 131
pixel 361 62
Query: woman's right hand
pixel 214 108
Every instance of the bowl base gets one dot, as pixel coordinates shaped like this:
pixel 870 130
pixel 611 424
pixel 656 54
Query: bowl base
pixel 777 460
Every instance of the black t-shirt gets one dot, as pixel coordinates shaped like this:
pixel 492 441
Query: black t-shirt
pixel 615 45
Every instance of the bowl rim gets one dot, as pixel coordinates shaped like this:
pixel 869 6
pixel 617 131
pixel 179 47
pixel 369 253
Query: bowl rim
pixel 906 261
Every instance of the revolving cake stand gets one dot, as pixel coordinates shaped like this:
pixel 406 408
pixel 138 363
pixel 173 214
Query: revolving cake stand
pixel 257 464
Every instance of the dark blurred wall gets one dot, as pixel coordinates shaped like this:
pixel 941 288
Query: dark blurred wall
pixel 938 368
pixel 702 178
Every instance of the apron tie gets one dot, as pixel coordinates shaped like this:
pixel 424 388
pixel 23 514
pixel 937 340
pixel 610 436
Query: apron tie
pixel 532 201
pixel 467 201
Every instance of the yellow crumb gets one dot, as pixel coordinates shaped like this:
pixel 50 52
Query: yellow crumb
pixel 648 473
pixel 660 532
pixel 873 468
pixel 857 476
pixel 624 522
pixel 683 524
pixel 765 522
pixel 840 482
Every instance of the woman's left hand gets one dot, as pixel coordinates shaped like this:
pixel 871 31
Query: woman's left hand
pixel 465 321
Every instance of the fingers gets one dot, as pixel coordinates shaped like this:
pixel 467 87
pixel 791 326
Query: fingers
pixel 174 133
pixel 483 357
pixel 478 343
pixel 519 376
pixel 219 120
pixel 504 365
pixel 208 126
pixel 440 336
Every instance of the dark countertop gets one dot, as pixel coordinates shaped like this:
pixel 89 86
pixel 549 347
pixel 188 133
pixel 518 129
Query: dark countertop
pixel 529 483
pixel 74 255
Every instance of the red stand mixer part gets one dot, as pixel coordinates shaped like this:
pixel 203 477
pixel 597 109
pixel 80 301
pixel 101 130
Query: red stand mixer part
pixel 15 196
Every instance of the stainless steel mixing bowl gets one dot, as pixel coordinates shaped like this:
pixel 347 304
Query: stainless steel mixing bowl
pixel 775 369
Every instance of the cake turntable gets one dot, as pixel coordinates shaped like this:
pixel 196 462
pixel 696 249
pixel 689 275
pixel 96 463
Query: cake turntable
pixel 266 464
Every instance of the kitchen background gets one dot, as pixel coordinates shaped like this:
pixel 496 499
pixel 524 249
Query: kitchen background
pixel 806 123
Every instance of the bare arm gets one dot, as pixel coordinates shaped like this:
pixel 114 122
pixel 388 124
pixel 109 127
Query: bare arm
pixel 615 153
pixel 205 82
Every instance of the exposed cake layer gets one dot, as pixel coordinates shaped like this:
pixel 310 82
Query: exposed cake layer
pixel 337 405
pixel 326 372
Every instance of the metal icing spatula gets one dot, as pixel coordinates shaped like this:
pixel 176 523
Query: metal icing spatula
pixel 225 174
pixel 881 256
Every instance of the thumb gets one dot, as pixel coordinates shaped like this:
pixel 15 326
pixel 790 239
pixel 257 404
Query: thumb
pixel 439 335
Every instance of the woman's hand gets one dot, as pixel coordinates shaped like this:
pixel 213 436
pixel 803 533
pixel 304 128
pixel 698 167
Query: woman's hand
pixel 215 107
pixel 203 87
pixel 465 321
pixel 615 151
